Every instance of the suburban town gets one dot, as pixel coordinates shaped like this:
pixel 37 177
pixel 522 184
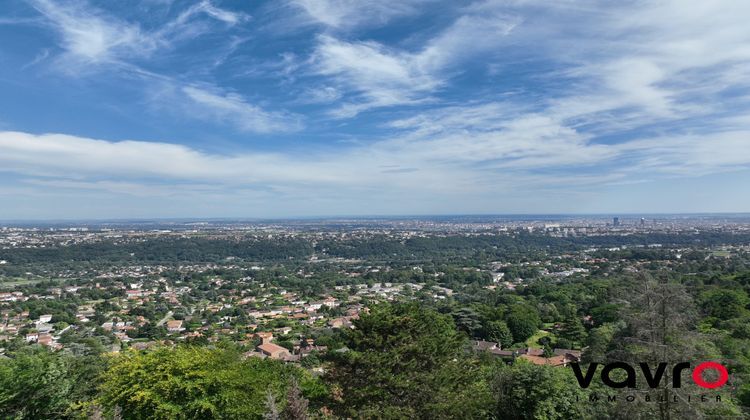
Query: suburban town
pixel 287 306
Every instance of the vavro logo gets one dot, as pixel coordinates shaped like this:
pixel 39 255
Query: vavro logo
pixel 653 378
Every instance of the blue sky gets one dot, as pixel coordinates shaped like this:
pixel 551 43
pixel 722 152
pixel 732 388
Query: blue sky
pixel 160 108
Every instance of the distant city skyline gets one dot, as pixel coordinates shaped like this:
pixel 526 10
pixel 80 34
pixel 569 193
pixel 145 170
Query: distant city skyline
pixel 624 219
pixel 326 108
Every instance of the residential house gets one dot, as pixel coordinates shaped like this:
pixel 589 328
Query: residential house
pixel 45 340
pixel 264 336
pixel 561 358
pixel 274 351
pixel 493 348
pixel 175 326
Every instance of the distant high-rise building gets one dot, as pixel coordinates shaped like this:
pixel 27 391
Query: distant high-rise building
pixel 643 222
pixel 616 221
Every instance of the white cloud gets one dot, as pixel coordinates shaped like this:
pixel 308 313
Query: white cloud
pixel 37 59
pixel 94 37
pixel 468 37
pixel 380 76
pixel 524 157
pixel 221 14
pixel 234 109
pixel 320 95
pixel 648 60
pixel 524 142
pixel 90 36
pixel 625 72
pixel 356 13
pixel 690 154
pixel 55 154
pixel 117 187
pixel 482 117
pixel 450 160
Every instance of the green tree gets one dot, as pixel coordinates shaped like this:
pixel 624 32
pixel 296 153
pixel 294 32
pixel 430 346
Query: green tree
pixel 272 409
pixel 36 383
pixel 498 332
pixel 467 320
pixel 725 303
pixel 407 361
pixel 574 330
pixel 661 327
pixel 526 391
pixel 548 352
pixel 599 342
pixel 194 382
pixel 523 322
pixel 296 404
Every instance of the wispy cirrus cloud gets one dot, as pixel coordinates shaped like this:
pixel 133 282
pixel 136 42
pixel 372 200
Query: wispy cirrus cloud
pixel 319 95
pixel 348 14
pixel 205 6
pixel 380 76
pixel 93 39
pixel 632 95
pixel 235 110
pixel 647 61
pixel 91 36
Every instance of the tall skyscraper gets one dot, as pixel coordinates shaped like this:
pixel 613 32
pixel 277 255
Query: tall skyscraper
pixel 616 221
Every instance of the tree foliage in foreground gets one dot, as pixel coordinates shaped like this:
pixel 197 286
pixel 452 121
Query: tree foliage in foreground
pixel 526 391
pixel 35 384
pixel 196 382
pixel 407 361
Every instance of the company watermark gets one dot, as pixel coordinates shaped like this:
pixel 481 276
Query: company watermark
pixel 623 376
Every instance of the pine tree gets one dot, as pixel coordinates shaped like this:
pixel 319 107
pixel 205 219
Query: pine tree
pixel 661 318
pixel 296 404
pixel 548 351
pixel 574 331
pixel 272 411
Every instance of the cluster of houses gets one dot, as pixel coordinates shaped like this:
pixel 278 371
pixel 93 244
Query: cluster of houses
pixel 558 358
pixel 264 307
pixel 268 349
pixel 42 332
pixel 11 324
pixel 12 297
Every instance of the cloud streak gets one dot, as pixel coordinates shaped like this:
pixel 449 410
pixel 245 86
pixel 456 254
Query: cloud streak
pixel 90 36
pixel 233 109
pixel 379 76
pixel 520 148
pixel 350 14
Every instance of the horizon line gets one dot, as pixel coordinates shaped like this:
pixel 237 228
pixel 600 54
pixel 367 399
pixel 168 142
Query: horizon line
pixel 363 217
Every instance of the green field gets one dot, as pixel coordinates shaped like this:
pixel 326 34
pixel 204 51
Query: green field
pixel 10 282
pixel 532 341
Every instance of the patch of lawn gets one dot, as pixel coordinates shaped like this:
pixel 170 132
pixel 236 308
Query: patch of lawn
pixel 532 341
